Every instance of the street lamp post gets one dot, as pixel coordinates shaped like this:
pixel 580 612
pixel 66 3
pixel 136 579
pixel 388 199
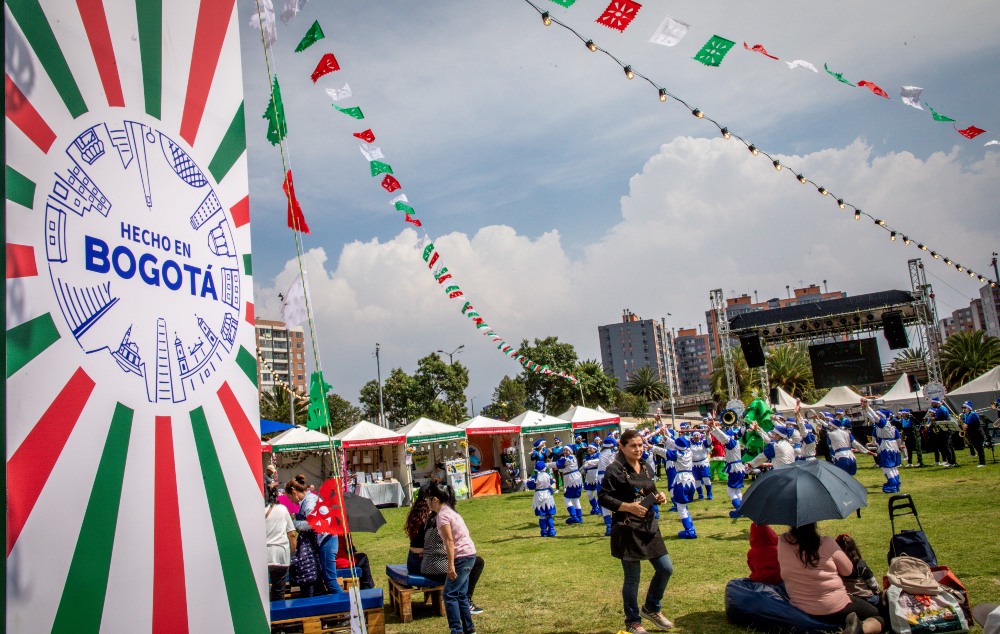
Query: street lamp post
pixel 668 361
pixel 452 354
pixel 381 404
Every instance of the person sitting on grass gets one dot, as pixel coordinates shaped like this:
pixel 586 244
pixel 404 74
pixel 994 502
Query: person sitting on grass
pixel 861 582
pixel 762 558
pixel 811 567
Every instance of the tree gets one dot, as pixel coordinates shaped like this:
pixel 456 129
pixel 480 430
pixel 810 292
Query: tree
pixel 645 382
pixel 632 405
pixel 966 355
pixel 908 358
pixel 274 405
pixel 436 390
pixel 342 413
pixel 789 367
pixel 598 386
pixel 509 398
pixel 548 393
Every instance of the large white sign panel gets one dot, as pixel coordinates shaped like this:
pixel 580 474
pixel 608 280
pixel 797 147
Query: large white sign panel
pixel 132 438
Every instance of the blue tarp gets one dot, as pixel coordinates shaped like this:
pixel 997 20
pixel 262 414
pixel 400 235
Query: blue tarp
pixel 271 426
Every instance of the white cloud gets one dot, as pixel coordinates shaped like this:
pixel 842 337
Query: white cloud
pixel 702 214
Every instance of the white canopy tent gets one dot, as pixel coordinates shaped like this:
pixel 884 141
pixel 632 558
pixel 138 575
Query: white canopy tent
pixel 584 419
pixel 431 442
pixel 900 395
pixel 983 391
pixel 367 448
pixel 841 396
pixel 786 402
pixel 301 450
pixel 491 437
pixel 534 425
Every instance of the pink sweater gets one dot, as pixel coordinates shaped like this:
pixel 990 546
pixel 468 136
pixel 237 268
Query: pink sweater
pixel 463 541
pixel 820 590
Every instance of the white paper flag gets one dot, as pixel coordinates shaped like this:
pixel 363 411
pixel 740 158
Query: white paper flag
pixel 423 242
pixel 399 199
pixel 911 96
pixel 671 32
pixel 371 152
pixel 293 306
pixel 801 62
pixel 993 142
pixel 265 23
pixel 358 625
pixel 339 93
pixel 291 9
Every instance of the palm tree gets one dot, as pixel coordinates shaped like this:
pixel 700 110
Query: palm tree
pixel 789 368
pixel 966 355
pixel 646 383
pixel 909 359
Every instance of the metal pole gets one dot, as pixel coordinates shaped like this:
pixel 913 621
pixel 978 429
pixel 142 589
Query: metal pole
pixel 381 405
pixel 579 384
pixel 668 361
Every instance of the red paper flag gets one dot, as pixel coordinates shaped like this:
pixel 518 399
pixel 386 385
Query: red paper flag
pixel 619 14
pixel 296 220
pixel 971 132
pixel 328 516
pixel 367 136
pixel 875 89
pixel 413 220
pixel 758 48
pixel 327 64
pixel 390 184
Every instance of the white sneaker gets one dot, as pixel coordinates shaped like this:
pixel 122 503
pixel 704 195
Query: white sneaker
pixel 944 464
pixel 980 466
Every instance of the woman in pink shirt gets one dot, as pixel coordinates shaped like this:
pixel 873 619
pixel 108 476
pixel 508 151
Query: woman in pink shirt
pixel 812 567
pixel 461 556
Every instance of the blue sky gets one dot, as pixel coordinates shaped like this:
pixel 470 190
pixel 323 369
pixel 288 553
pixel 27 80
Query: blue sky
pixel 559 192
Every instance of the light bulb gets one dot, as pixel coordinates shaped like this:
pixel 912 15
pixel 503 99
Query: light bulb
pixel 663 94
pixel 857 214
pixel 959 267
pixel 892 236
pixel 934 255
pixel 840 203
pixel 906 241
pixel 628 72
pixel 802 179
pixel 947 261
pixel 592 46
pixel 725 133
pixel 546 19
pixel 777 165
pixel 698 113
pixel 922 247
pixel 753 149
pixel 880 223
pixel 822 190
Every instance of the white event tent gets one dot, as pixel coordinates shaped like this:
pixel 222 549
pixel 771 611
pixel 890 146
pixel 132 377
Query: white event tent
pixel 982 391
pixel 301 450
pixel 369 448
pixel 841 396
pixel 430 441
pixel 490 437
pixel 584 419
pixel 786 402
pixel 900 395
pixel 534 425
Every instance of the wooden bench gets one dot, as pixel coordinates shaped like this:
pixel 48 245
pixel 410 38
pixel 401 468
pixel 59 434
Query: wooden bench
pixel 402 587
pixel 326 614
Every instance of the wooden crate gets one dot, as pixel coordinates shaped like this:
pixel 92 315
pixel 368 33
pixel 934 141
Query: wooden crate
pixel 401 599
pixel 330 624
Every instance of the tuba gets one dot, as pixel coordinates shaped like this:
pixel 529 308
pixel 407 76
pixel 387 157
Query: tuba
pixel 730 417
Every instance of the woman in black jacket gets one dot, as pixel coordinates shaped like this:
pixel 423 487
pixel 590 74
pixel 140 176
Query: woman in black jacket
pixel 629 490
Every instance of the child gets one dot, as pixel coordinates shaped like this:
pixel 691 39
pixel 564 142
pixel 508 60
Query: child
pixel 861 583
pixel 762 558
pixel 735 468
pixel 700 448
pixel 590 477
pixel 609 449
pixel 683 489
pixel 543 503
pixel 573 485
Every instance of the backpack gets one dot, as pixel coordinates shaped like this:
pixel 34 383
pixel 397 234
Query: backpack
pixel 917 603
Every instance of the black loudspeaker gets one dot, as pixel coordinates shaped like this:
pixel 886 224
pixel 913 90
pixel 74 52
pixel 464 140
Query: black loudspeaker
pixel 774 396
pixel 894 331
pixel 914 384
pixel 752 351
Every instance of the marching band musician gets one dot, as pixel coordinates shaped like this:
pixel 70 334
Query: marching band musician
pixel 973 427
pixel 911 436
pixel 940 428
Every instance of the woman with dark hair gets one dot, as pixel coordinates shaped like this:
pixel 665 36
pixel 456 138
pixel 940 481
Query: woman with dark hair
pixel 628 490
pixel 811 567
pixel 461 556
pixel 316 554
pixel 416 522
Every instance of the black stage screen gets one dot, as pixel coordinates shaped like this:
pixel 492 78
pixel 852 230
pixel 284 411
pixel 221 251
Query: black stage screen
pixel 846 363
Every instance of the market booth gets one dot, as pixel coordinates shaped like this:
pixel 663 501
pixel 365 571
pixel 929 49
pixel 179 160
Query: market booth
pixel 430 442
pixel 496 444
pixel 374 463
pixel 301 450
pixel 587 422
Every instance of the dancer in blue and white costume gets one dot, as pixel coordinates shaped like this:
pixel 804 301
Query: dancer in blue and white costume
pixel 590 481
pixel 682 492
pixel 701 448
pixel 735 469
pixel 572 484
pixel 541 452
pixel 807 432
pixel 888 437
pixel 544 504
pixel 842 444
pixel 609 447
pixel 779 452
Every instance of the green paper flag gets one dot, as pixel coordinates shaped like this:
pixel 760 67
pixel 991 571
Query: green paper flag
pixel 401 206
pixel 427 253
pixel 937 117
pixel 313 35
pixel 277 129
pixel 318 415
pixel 713 51
pixel 564 3
pixel 354 112
pixel 378 167
pixel 838 76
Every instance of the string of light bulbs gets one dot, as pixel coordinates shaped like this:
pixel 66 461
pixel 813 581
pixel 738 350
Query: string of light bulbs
pixel 895 235
pixel 287 388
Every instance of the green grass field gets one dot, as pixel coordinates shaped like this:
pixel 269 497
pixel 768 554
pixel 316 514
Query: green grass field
pixel 572 584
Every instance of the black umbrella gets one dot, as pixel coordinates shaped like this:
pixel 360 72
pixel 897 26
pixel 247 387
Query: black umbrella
pixel 803 492
pixel 362 514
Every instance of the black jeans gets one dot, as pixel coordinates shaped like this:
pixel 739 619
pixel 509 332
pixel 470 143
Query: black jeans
pixel 276 576
pixel 976 446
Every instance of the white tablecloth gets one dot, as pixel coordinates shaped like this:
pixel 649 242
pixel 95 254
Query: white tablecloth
pixel 382 493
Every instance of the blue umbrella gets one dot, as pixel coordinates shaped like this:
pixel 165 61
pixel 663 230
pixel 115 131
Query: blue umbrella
pixel 803 492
